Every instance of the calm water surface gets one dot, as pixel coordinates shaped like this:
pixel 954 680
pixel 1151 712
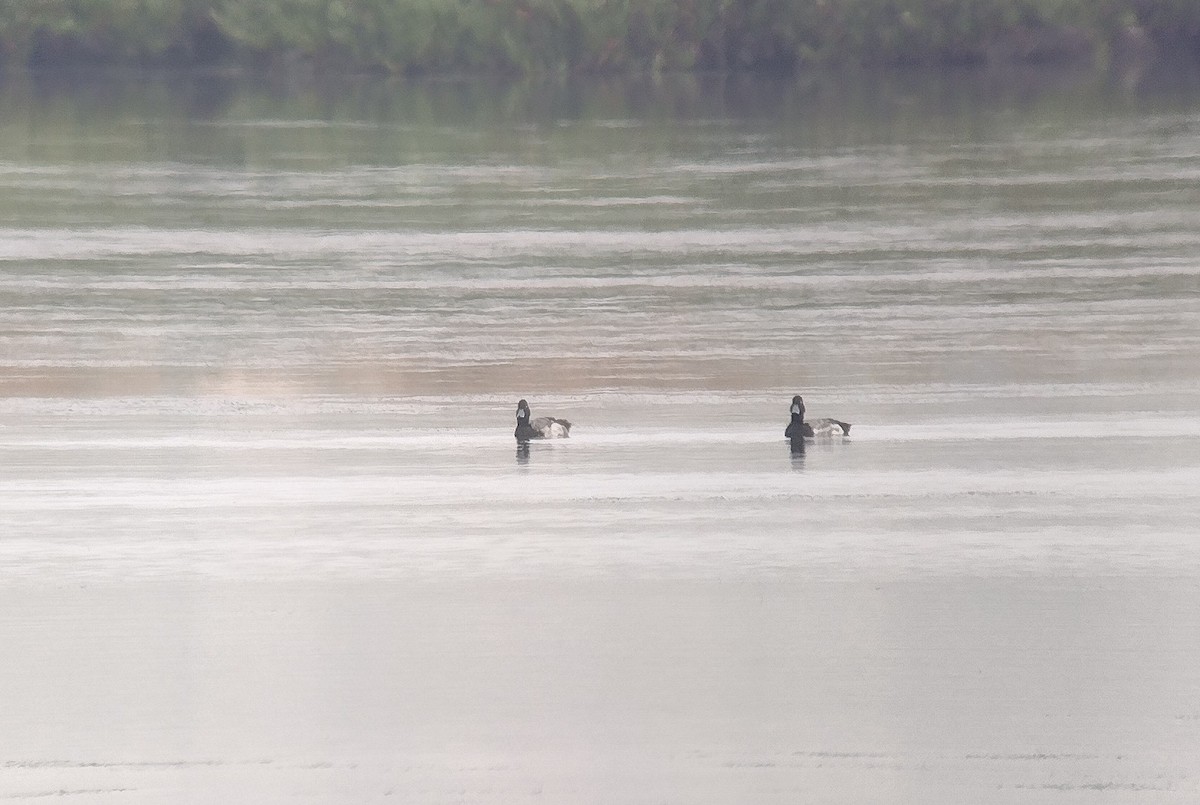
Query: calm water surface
pixel 265 527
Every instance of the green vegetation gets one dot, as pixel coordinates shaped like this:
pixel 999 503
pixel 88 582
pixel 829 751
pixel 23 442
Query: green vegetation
pixel 532 36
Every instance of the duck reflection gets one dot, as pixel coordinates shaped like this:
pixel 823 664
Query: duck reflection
pixel 796 448
pixel 522 453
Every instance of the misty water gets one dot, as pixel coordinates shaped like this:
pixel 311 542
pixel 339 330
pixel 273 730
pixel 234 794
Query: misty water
pixel 267 535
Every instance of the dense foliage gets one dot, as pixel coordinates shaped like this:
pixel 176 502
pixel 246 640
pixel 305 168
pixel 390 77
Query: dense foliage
pixel 522 36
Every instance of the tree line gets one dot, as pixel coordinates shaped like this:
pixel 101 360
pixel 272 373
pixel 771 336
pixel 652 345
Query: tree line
pixel 591 36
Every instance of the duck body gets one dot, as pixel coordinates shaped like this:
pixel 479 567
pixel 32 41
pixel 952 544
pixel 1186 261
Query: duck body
pixel 826 427
pixel 544 427
pixel 798 427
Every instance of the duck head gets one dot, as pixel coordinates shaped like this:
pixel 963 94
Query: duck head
pixel 798 407
pixel 522 412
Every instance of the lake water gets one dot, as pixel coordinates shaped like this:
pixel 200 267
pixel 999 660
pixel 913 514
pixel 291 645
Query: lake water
pixel 267 536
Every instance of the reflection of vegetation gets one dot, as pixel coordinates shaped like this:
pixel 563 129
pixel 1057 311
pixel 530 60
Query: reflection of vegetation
pixel 522 36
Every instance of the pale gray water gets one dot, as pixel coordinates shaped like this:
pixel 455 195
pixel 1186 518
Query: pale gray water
pixel 266 533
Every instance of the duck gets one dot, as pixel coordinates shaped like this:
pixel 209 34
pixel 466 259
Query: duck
pixel 798 427
pixel 544 427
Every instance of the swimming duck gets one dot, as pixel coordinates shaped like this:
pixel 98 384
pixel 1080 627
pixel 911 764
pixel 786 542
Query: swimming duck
pixel 544 427
pixel 817 427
